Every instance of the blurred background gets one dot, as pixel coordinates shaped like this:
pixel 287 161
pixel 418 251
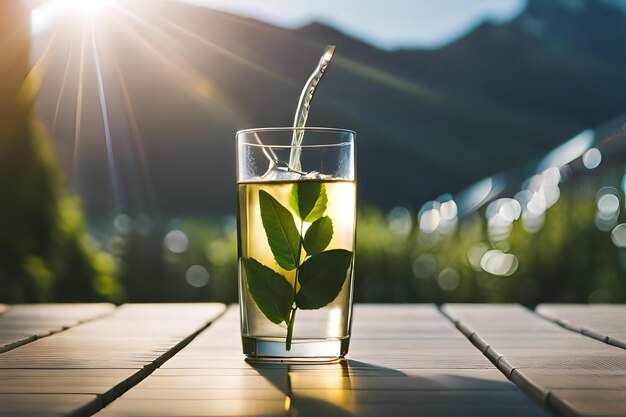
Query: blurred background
pixel 490 143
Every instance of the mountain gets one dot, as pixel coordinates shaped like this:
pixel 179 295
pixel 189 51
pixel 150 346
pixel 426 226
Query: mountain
pixel 179 80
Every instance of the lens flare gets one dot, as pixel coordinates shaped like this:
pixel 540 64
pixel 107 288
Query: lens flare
pixel 44 16
pixel 87 7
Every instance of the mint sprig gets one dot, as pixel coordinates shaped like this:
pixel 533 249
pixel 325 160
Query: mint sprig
pixel 319 273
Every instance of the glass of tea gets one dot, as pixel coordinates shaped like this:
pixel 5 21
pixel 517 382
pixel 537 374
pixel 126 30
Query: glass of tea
pixel 296 241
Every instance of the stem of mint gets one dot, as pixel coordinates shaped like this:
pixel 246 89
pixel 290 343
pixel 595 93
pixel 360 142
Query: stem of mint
pixel 292 317
pixel 292 320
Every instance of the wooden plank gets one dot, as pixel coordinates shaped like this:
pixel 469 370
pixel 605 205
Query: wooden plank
pixel 571 373
pixel 99 359
pixel 404 360
pixel 22 405
pixel 605 322
pixel 590 402
pixel 24 323
pixel 109 383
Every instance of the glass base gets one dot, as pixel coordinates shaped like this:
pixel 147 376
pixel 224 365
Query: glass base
pixel 302 350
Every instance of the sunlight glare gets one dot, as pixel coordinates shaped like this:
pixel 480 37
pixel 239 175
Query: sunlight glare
pixel 87 7
pixel 43 17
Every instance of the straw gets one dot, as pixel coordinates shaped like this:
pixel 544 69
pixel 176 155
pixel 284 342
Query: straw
pixel 302 111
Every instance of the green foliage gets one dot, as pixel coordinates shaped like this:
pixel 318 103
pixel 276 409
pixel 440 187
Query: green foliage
pixel 382 261
pixel 567 260
pixel 46 253
pixel 151 272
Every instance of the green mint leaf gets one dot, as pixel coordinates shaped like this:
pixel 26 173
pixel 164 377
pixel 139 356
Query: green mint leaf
pixel 318 236
pixel 280 228
pixel 309 200
pixel 270 290
pixel 321 278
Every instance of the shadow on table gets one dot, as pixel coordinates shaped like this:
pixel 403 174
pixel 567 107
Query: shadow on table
pixel 323 388
pixel 349 387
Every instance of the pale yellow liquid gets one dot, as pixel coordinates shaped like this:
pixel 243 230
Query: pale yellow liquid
pixel 328 323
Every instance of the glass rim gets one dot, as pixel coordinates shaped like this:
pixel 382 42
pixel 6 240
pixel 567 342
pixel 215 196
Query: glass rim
pixel 330 145
pixel 285 129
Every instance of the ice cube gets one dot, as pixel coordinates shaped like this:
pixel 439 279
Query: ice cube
pixel 314 175
pixel 280 173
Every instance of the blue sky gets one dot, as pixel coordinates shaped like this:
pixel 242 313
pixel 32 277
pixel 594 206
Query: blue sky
pixel 387 24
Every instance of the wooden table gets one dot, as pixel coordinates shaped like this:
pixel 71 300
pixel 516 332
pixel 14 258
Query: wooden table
pixel 408 360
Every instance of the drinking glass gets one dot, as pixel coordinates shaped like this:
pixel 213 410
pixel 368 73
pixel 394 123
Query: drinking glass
pixel 296 241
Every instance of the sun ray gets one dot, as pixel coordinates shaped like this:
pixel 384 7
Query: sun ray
pixel 224 51
pixel 183 67
pixel 187 75
pixel 79 103
pixel 387 79
pixel 30 86
pixel 105 122
pixel 186 72
pixel 62 87
pixel 257 25
pixel 173 62
pixel 136 138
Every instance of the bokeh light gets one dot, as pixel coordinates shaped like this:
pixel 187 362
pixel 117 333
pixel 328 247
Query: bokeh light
pixel 497 262
pixel 448 279
pixel 424 266
pixel 176 241
pixel 618 235
pixel 197 276
pixel 400 221
pixel 592 158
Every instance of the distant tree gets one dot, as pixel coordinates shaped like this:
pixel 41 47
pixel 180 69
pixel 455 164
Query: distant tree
pixel 46 253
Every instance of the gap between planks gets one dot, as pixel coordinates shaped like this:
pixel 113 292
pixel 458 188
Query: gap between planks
pixel 147 370
pixel 105 397
pixel 500 362
pixel 563 319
